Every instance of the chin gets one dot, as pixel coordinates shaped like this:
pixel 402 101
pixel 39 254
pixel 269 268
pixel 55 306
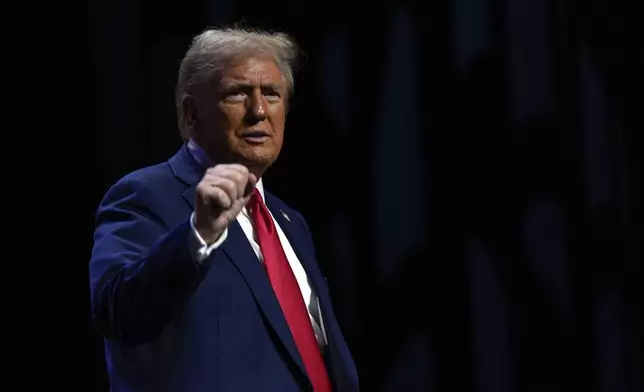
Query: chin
pixel 258 159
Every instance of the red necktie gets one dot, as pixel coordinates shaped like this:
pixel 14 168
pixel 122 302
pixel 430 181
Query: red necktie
pixel 288 293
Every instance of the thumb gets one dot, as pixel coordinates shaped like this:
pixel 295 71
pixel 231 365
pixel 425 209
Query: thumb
pixel 250 185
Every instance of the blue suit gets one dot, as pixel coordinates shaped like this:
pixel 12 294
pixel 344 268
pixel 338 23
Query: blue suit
pixel 171 324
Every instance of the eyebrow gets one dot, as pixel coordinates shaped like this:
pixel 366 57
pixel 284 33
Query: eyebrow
pixel 232 83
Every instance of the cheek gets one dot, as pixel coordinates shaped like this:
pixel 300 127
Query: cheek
pixel 278 117
pixel 227 119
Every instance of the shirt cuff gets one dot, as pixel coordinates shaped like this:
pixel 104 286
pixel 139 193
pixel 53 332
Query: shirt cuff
pixel 198 247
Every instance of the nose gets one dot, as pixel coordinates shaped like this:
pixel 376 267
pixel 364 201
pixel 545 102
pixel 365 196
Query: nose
pixel 256 110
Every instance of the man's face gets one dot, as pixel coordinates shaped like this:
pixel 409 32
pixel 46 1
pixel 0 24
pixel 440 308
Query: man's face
pixel 241 118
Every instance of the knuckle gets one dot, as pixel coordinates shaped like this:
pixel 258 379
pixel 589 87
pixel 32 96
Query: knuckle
pixel 226 187
pixel 201 188
pixel 218 193
pixel 237 177
pixel 226 182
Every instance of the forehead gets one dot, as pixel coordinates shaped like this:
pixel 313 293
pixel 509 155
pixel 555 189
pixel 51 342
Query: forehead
pixel 251 70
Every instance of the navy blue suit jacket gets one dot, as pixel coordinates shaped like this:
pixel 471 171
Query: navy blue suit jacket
pixel 171 324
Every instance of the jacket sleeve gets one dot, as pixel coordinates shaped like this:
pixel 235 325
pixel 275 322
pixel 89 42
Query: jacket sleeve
pixel 142 272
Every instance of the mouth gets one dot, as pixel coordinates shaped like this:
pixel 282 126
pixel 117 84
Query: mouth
pixel 255 136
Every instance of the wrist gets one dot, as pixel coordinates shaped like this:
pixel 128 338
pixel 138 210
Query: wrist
pixel 209 236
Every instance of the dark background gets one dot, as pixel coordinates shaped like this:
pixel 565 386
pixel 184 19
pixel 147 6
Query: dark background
pixel 470 170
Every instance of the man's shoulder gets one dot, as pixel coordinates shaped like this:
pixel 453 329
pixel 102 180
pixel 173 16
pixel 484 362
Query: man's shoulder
pixel 157 174
pixel 142 181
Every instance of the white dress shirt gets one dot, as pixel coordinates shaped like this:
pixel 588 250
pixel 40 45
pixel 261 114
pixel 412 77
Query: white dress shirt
pixel 201 250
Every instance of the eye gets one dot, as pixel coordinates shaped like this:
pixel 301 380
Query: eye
pixel 234 96
pixel 272 95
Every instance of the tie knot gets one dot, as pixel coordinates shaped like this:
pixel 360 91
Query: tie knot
pixel 254 201
pixel 255 196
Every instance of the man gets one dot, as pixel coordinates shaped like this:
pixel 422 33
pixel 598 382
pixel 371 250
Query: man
pixel 200 279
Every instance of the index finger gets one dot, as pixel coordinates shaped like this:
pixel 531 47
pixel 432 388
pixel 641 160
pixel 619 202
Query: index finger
pixel 239 168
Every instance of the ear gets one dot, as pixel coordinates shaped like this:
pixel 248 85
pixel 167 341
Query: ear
pixel 189 110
